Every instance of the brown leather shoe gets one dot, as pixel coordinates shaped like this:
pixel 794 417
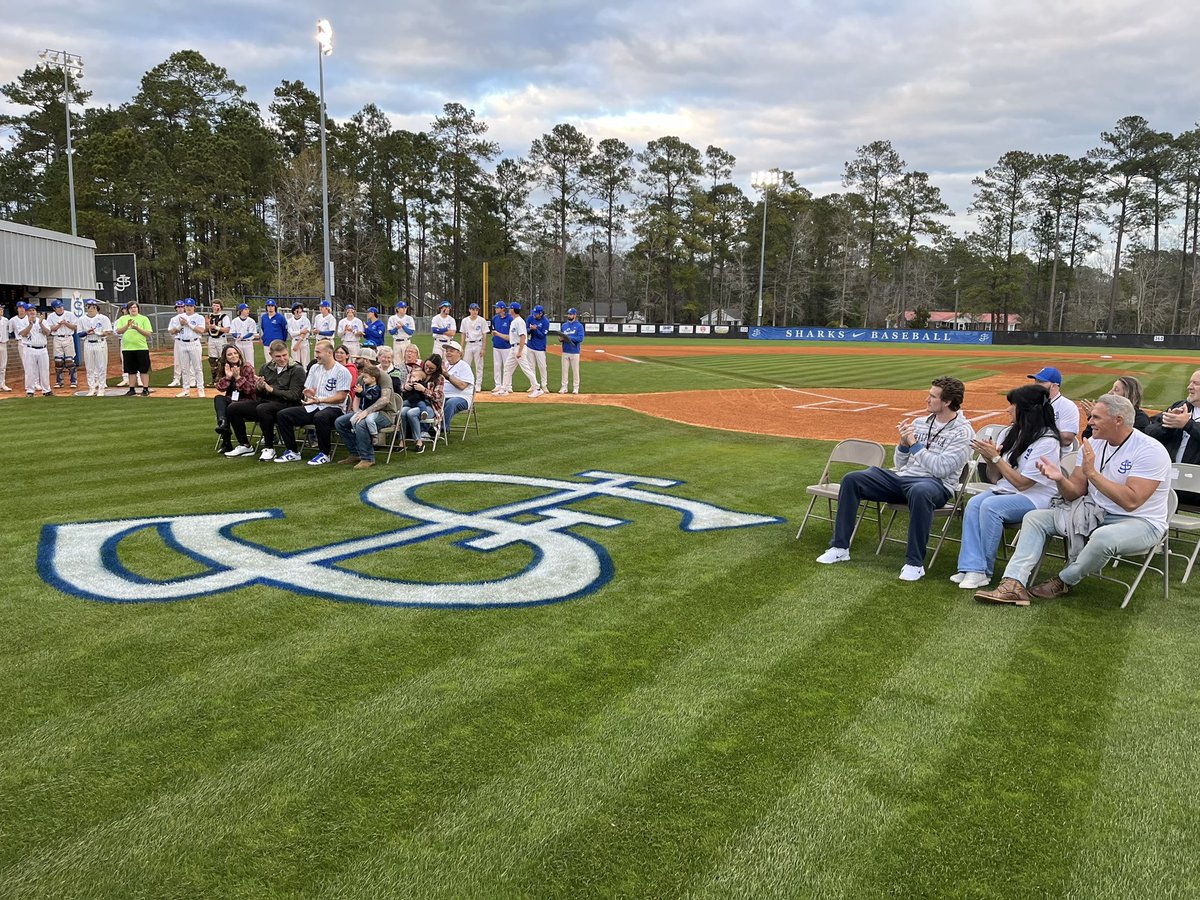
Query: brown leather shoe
pixel 365 464
pixel 1009 590
pixel 1048 590
pixel 348 461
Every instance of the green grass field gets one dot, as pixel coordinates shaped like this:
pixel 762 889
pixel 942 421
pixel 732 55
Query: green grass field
pixel 722 717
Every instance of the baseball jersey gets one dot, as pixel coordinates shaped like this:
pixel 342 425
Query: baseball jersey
pixel 297 327
pixel 273 328
pixel 500 326
pixel 243 329
pixel 327 382
pixel 95 328
pixel 401 327
pixel 15 326
pixel 325 325
pixel 37 337
pixel 516 330
pixel 1066 414
pixel 538 329
pixel 574 333
pixel 350 329
pixel 3 330
pixel 216 342
pixel 61 318
pixel 472 331
pixel 442 327
pixel 1139 456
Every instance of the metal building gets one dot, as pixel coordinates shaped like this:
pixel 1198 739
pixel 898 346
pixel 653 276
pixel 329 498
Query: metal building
pixel 41 265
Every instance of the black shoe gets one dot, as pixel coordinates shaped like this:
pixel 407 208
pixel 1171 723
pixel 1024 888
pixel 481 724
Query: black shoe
pixel 222 427
pixel 145 392
pixel 130 392
pixel 48 394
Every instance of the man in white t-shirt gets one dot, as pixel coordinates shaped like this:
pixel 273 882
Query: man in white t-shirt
pixel 1121 487
pixel 95 328
pixel 518 336
pixel 350 331
pixel 459 387
pixel 1066 413
pixel 326 388
pixel 472 332
pixel 299 330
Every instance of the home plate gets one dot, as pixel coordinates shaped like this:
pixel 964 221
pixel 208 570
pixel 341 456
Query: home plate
pixel 1105 356
pixel 598 350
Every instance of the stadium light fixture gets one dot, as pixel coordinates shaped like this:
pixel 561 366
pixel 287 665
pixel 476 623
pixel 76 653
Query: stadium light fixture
pixel 71 64
pixel 324 49
pixel 763 181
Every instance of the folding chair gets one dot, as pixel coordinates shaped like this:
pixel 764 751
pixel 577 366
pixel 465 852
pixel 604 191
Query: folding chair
pixel 851 452
pixel 1186 520
pixel 469 418
pixel 1163 546
pixel 251 434
pixel 395 431
pixel 438 427
pixel 948 513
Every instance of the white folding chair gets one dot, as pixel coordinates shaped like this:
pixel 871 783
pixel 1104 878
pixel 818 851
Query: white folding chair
pixel 438 427
pixel 1146 558
pixel 394 432
pixel 1186 520
pixel 853 452
pixel 469 418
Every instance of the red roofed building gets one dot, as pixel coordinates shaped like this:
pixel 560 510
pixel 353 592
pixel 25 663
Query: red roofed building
pixel 963 321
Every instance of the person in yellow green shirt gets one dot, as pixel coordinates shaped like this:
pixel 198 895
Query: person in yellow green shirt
pixel 134 328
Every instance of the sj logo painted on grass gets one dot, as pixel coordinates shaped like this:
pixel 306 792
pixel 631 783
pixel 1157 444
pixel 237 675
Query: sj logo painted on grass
pixel 81 558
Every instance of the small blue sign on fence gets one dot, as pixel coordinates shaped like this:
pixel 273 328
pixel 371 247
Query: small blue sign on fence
pixel 870 335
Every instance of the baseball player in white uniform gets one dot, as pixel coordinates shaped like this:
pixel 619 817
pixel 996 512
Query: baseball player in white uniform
pixel 62 323
pixel 472 332
pixel 242 331
pixel 4 335
pixel 94 328
pixel 176 350
pixel 299 330
pixel 36 334
pixel 324 323
pixel 443 328
pixel 401 327
pixel 218 327
pixel 189 328
pixel 350 329
pixel 16 327
pixel 518 336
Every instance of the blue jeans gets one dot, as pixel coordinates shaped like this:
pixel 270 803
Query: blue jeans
pixel 983 528
pixel 411 417
pixel 922 495
pixel 453 405
pixel 358 437
pixel 1117 535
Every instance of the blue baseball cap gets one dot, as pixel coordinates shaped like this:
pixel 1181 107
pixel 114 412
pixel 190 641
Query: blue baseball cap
pixel 515 305
pixel 242 306
pixel 500 304
pixel 21 304
pixel 189 302
pixel 325 303
pixel 91 301
pixel 56 304
pixel 401 305
pixel 271 302
pixel 572 311
pixel 473 306
pixel 178 303
pixel 351 306
pixel 1049 373
pixel 373 309
pixel 538 309
pixel 444 304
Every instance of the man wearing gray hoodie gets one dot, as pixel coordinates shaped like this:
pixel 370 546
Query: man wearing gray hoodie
pixel 929 462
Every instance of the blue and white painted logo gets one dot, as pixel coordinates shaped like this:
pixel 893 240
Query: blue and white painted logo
pixel 81 558
pixel 1125 466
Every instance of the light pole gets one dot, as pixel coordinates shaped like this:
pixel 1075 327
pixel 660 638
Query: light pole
pixel 763 181
pixel 324 49
pixel 71 64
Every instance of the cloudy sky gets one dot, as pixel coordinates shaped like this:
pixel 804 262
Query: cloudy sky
pixel 798 85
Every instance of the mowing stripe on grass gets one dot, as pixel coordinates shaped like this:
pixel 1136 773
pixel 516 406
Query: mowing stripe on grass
pixel 562 781
pixel 668 824
pixel 829 818
pixel 1006 812
pixel 1139 838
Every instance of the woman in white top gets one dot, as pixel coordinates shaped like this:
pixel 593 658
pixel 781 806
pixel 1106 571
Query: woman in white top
pixel 1019 486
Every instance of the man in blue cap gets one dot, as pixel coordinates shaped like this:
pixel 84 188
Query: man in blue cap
pixel 373 335
pixel 324 324
pixel 273 325
pixel 242 331
pixel 16 325
pixel 443 328
pixel 176 360
pixel 500 346
pixel 539 328
pixel 401 327
pixel 518 336
pixel 62 323
pixel 351 330
pixel 471 333
pixel 1066 413
pixel 189 328
pixel 570 334
pixel 35 335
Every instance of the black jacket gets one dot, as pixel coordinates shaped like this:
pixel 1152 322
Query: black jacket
pixel 1170 437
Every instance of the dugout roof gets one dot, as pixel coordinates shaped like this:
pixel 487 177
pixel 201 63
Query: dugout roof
pixel 46 261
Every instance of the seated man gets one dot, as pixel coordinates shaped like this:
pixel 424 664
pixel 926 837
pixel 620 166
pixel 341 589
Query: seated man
pixel 326 388
pixel 1066 413
pixel 459 389
pixel 279 386
pixel 1120 489
pixel 929 462
pixel 1178 430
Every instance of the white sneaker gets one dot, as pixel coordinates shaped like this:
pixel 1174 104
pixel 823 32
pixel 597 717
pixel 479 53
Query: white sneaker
pixel 501 393
pixel 912 573
pixel 576 391
pixel 173 384
pixel 957 579
pixel 267 455
pixel 184 393
pixel 240 450
pixel 536 393
pixel 834 555
pixel 200 392
pixel 562 390
pixel 124 382
pixel 289 456
pixel 973 581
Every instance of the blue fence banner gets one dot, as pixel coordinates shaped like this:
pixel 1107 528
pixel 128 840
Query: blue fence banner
pixel 870 335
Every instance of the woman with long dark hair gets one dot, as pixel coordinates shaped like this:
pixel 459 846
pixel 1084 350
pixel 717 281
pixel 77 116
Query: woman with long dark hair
pixel 1018 488
pixel 235 381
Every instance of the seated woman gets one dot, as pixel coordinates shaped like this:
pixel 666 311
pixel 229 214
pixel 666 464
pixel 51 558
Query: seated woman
pixel 1131 389
pixel 359 427
pixel 236 380
pixel 1018 488
pixel 423 398
pixel 342 355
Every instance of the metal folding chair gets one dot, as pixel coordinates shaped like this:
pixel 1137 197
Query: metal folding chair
pixel 1186 521
pixel 852 452
pixel 947 513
